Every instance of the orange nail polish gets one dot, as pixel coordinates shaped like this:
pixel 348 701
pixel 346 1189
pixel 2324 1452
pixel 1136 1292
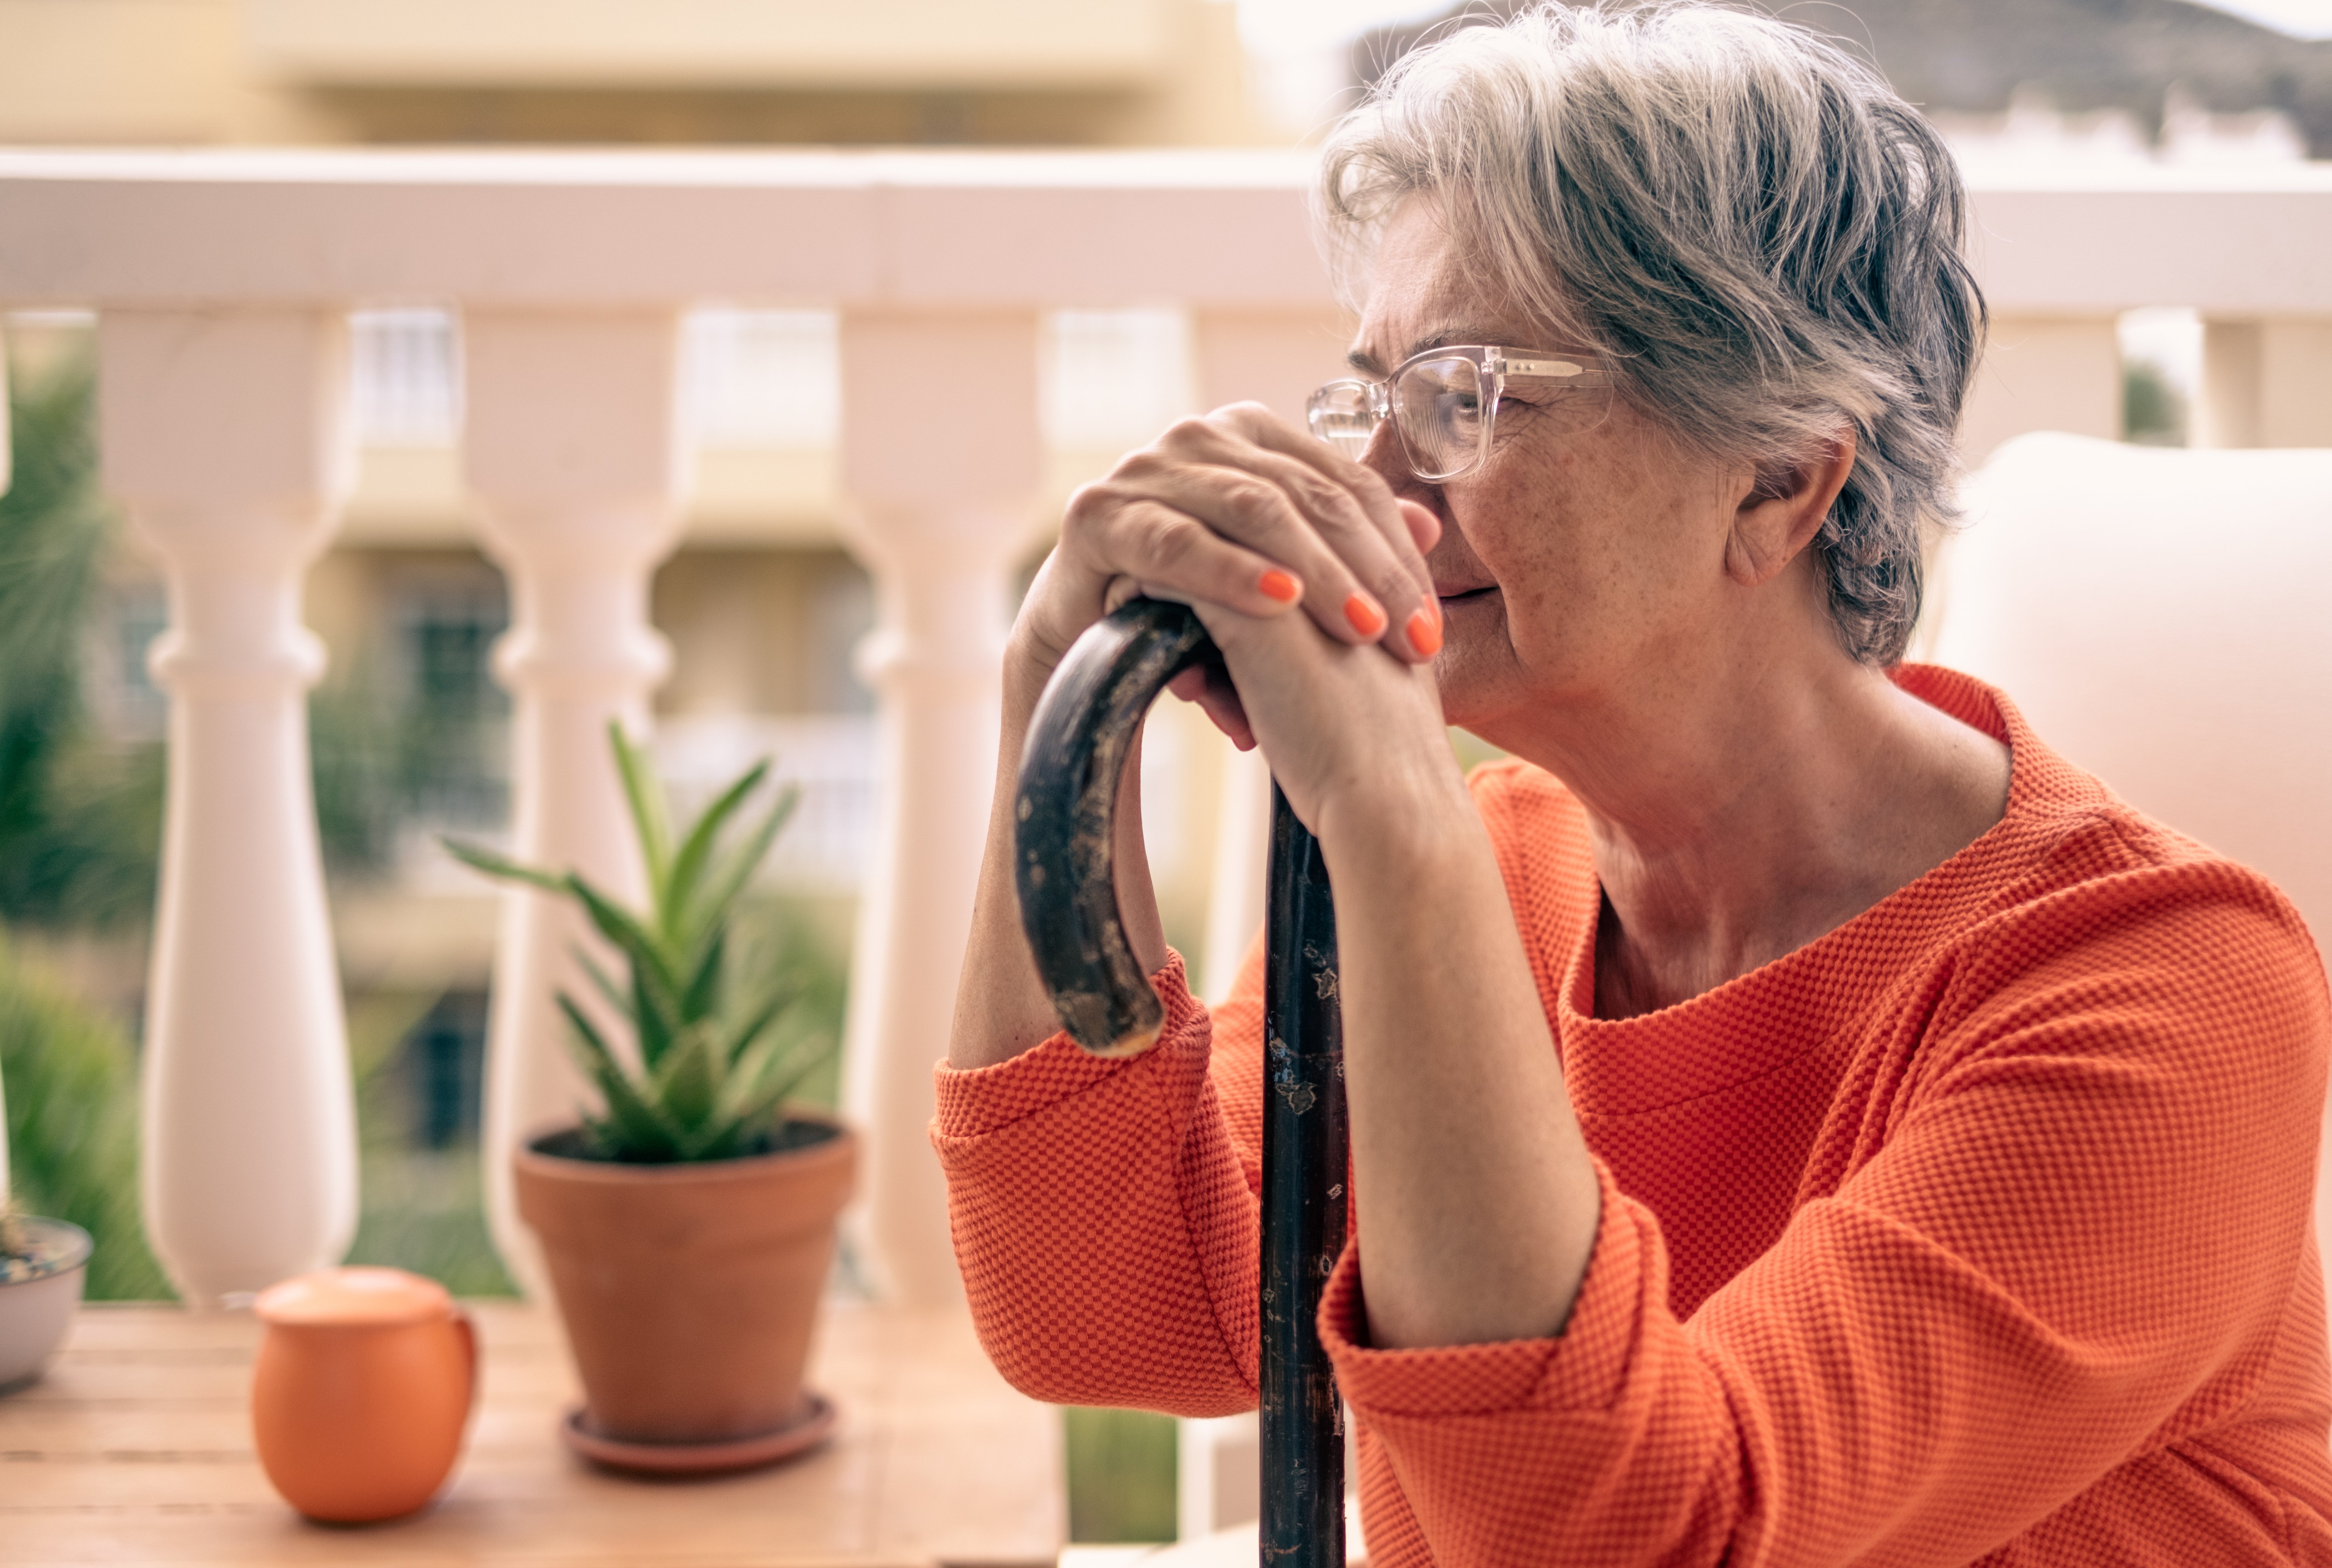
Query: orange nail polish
pixel 1277 585
pixel 1424 636
pixel 1363 612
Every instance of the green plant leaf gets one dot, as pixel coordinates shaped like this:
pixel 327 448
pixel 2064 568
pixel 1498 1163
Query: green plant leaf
pixel 649 814
pixel 679 889
pixel 759 1110
pixel 703 998
pixel 735 871
pixel 708 1084
pixel 752 1072
pixel 631 1131
pixel 623 928
pixel 641 1129
pixel 782 1056
pixel 655 1022
pixel 687 1083
pixel 591 1052
pixel 603 982
pixel 480 858
pixel 747 1027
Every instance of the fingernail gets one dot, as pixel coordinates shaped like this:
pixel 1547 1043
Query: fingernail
pixel 1366 617
pixel 1424 636
pixel 1276 584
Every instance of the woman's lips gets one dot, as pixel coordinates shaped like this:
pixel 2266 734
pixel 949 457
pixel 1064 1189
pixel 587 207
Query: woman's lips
pixel 1451 597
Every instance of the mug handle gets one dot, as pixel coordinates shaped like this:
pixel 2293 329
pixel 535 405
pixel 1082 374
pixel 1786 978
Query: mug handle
pixel 468 1328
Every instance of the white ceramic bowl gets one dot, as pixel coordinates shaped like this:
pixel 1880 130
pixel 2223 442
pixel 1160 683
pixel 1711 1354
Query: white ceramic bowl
pixel 35 1313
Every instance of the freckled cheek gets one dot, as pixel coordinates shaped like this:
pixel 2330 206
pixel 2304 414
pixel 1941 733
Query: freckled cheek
pixel 1542 615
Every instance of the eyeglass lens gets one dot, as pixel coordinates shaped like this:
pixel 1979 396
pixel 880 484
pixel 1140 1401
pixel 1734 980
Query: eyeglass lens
pixel 1439 409
pixel 1436 404
pixel 1340 417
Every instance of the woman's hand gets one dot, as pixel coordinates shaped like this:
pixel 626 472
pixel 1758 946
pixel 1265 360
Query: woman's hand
pixel 1356 741
pixel 1481 1199
pixel 1246 517
pixel 1238 510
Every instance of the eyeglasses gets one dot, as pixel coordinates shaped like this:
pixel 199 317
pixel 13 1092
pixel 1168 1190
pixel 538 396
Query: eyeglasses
pixel 1443 402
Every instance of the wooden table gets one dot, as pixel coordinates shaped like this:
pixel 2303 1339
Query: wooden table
pixel 137 1448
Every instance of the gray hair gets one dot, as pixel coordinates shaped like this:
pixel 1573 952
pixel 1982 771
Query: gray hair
pixel 1760 234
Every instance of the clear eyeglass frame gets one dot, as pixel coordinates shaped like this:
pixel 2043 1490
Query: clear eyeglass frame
pixel 1443 403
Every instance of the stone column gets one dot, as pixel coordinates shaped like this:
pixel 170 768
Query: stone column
pixel 225 437
pixel 941 462
pixel 571 446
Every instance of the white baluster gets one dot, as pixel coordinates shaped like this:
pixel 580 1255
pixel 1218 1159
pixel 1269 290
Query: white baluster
pixel 225 435
pixel 941 465
pixel 2043 373
pixel 2295 383
pixel 572 448
pixel 2265 383
pixel 1275 359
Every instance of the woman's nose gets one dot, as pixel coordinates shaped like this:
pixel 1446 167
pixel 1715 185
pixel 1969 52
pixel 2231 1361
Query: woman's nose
pixel 1383 453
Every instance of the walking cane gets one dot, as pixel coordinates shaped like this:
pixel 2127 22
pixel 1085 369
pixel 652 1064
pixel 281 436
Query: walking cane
pixel 1084 727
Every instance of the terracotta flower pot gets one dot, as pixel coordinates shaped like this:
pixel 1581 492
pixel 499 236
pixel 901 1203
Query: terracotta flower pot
pixel 689 1291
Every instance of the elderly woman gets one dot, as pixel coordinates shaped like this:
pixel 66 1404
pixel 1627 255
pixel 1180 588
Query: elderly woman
pixel 1796 1117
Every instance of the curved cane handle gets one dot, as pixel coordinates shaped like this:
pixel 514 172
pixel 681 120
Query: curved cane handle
pixel 1066 811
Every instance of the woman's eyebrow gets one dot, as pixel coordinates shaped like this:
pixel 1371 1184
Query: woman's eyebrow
pixel 1362 360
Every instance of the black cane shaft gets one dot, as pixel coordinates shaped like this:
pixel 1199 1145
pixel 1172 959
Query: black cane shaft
pixel 1304 1204
pixel 1067 804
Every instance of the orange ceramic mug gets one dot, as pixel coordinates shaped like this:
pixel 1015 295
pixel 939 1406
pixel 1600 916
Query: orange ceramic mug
pixel 362 1388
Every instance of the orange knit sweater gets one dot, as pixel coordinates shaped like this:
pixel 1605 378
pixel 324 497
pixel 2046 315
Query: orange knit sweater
pixel 1977 1229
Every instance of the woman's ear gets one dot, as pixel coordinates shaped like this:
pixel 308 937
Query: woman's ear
pixel 1783 509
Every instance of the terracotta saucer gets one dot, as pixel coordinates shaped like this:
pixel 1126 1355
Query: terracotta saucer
pixel 808 1427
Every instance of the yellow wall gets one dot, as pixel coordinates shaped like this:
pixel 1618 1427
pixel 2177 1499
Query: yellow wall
pixel 186 70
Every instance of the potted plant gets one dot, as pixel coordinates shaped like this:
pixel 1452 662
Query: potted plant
pixel 689 1224
pixel 41 1262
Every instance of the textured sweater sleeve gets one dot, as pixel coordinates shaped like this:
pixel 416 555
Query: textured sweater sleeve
pixel 2073 1230
pixel 1094 1202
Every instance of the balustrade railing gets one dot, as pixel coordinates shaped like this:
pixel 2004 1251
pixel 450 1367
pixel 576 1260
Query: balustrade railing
pixel 223 284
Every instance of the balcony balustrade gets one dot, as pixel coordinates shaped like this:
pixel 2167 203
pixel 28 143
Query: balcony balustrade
pixel 223 284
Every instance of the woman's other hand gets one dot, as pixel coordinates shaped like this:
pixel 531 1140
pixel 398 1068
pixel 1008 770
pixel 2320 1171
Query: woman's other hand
pixel 1357 740
pixel 1242 510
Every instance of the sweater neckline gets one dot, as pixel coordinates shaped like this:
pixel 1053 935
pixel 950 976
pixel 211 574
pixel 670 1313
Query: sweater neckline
pixel 1790 1005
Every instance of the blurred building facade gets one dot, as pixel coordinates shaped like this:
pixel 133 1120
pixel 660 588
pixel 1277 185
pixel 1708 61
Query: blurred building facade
pixel 763 603
pixel 617 73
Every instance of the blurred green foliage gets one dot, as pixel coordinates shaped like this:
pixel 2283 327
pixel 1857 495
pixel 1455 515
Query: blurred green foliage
pixel 423 1209
pixel 1122 1480
pixel 80 818
pixel 352 748
pixel 80 813
pixel 2152 413
pixel 71 1089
